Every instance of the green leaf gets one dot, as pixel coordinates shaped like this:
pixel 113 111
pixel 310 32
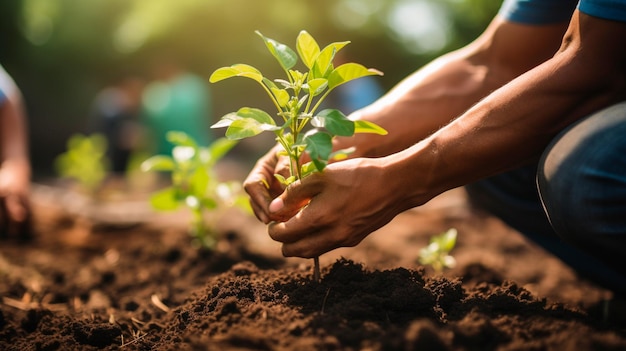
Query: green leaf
pixel 223 73
pixel 208 203
pixel 198 182
pixel 158 163
pixel 284 181
pixel 180 138
pixel 317 86
pixel 237 70
pixel 282 96
pixel 323 63
pixel 319 146
pixel 225 121
pixel 258 115
pixel 341 154
pixel 219 148
pixel 334 121
pixel 248 122
pixel 348 72
pixel 368 127
pixel 287 58
pixel 307 47
pixel 447 240
pixel 243 128
pixel 307 169
pixel 165 200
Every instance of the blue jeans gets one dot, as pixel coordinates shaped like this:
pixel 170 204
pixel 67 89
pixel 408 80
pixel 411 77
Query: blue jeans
pixel 573 200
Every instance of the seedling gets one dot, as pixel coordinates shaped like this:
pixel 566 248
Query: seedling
pixel 297 100
pixel 194 184
pixel 437 253
pixel 84 161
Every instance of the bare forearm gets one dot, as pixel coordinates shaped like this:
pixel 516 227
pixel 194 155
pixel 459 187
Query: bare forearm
pixel 441 91
pixel 425 101
pixel 515 123
pixel 14 159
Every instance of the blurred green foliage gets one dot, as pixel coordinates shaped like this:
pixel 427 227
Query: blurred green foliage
pixel 195 184
pixel 84 161
pixel 62 52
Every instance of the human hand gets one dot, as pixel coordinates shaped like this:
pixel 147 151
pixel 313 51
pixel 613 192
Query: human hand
pixel 336 208
pixel 15 210
pixel 262 186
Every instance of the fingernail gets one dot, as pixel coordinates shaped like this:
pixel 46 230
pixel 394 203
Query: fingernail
pixel 276 205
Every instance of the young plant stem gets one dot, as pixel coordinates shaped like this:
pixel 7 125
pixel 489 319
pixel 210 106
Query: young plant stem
pixel 316 269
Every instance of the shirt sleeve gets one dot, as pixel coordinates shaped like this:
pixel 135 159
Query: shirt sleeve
pixel 608 9
pixel 538 12
pixel 5 84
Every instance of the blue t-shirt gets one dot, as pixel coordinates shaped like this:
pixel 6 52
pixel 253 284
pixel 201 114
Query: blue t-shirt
pixel 2 96
pixel 554 11
pixel 608 9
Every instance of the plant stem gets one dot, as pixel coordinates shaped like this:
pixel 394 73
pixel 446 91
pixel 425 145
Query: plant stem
pixel 316 269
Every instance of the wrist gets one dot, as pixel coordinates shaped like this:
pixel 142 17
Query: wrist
pixel 412 174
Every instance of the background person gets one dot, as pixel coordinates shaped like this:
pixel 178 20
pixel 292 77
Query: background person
pixel 176 100
pixel 15 170
pixel 116 114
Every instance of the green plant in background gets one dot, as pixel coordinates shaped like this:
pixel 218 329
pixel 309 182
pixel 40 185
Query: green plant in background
pixel 194 183
pixel 84 161
pixel 437 253
pixel 297 100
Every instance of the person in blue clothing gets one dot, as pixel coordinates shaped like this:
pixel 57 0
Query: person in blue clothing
pixel 530 118
pixel 178 100
pixel 15 167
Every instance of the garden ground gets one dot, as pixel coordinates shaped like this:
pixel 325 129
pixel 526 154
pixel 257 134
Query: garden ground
pixel 118 276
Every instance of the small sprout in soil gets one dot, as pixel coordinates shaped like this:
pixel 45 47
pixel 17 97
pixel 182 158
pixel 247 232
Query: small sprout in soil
pixel 194 183
pixel 84 161
pixel 437 253
pixel 297 99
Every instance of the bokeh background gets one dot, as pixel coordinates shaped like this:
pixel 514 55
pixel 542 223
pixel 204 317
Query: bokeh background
pixel 62 53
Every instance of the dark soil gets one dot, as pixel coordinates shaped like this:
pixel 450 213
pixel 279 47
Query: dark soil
pixel 86 282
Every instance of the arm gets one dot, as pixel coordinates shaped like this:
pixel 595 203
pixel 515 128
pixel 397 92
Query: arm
pixel 15 168
pixel 442 90
pixel 506 129
pixel 431 97
pixel 515 123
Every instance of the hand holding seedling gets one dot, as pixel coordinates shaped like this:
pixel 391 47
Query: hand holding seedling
pixel 348 201
pixel 304 134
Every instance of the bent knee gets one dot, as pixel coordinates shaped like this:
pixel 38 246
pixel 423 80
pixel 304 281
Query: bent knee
pixel 582 179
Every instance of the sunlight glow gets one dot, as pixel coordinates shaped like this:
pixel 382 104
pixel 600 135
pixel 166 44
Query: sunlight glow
pixel 38 20
pixel 421 25
pixel 354 14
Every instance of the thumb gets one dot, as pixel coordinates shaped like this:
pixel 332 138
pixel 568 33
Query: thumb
pixel 293 199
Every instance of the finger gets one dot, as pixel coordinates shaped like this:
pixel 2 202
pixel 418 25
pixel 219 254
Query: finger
pixel 310 246
pixel 259 212
pixel 259 200
pixel 294 198
pixel 291 230
pixel 306 223
pixel 307 243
